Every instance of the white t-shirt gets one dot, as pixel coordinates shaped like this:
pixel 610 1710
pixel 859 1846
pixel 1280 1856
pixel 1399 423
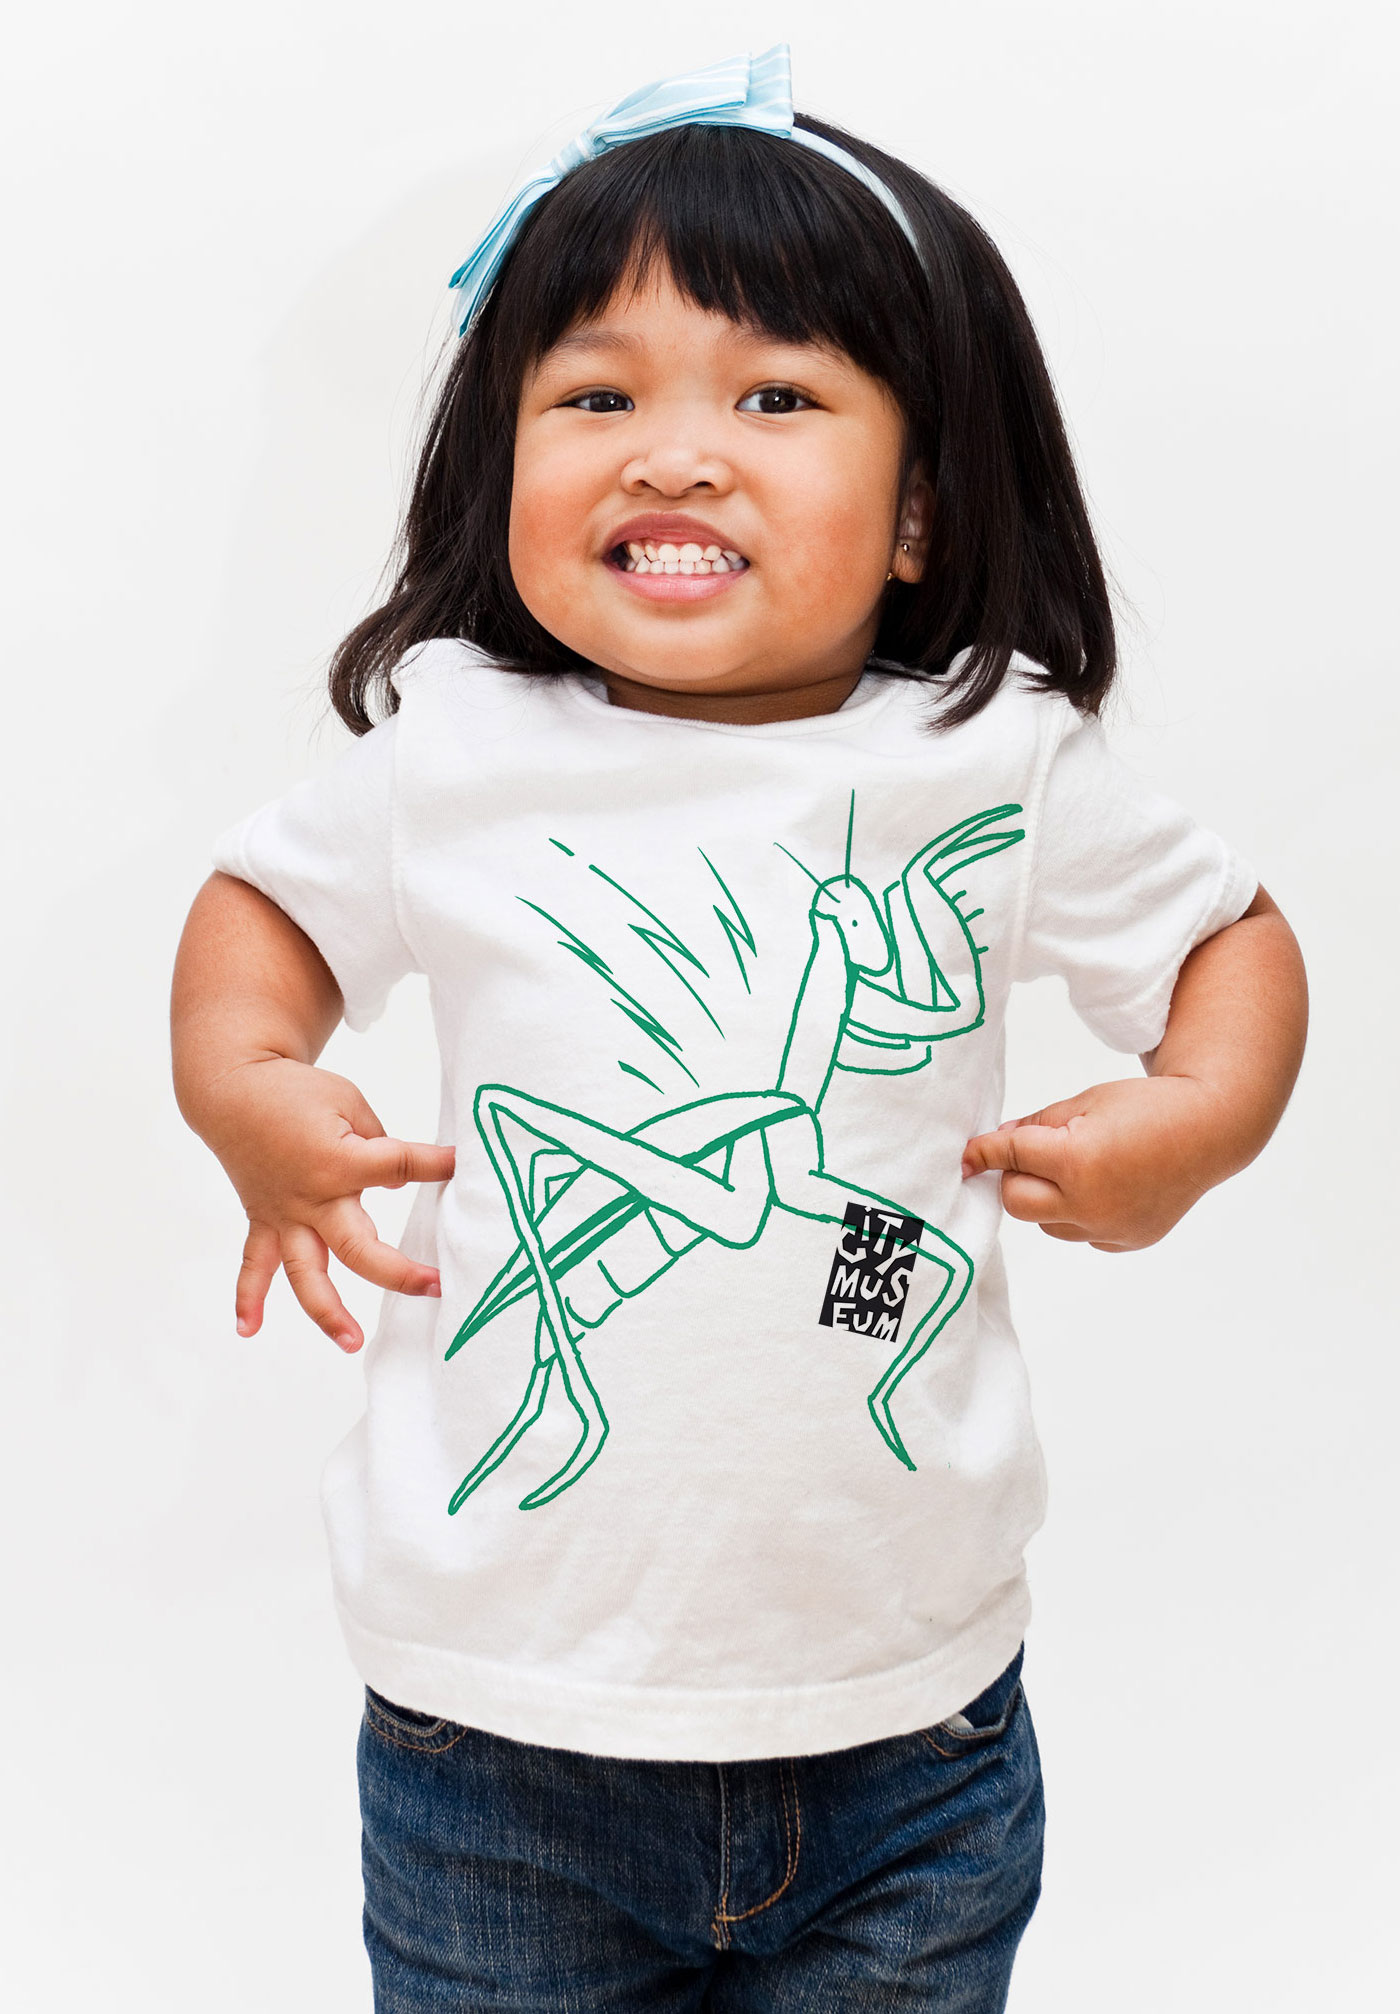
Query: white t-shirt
pixel 718 1444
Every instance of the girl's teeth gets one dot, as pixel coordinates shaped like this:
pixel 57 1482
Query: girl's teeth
pixel 643 556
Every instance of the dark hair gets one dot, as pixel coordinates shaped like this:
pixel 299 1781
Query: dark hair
pixel 776 236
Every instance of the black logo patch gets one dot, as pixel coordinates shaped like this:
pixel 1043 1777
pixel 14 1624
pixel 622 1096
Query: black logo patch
pixel 869 1281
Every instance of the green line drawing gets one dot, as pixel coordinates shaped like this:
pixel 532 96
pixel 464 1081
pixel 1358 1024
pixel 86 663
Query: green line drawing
pixel 667 945
pixel 736 925
pixel 636 1011
pixel 932 972
pixel 663 940
pixel 600 1215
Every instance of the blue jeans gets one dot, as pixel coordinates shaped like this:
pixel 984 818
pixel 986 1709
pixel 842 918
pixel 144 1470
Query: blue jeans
pixel 896 1875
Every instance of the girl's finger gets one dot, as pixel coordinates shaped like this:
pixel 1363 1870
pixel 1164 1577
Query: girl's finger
pixel 262 1254
pixel 348 1229
pixel 1032 1200
pixel 1076 1234
pixel 1020 1150
pixel 386 1163
pixel 306 1263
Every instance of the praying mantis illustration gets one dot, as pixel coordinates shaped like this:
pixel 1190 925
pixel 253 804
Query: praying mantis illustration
pixel 600 1215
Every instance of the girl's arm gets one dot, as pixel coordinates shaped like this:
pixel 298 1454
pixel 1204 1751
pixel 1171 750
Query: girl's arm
pixel 1117 1166
pixel 252 1006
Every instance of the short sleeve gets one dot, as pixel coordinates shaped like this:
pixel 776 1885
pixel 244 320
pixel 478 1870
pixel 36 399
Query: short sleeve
pixel 324 854
pixel 1124 884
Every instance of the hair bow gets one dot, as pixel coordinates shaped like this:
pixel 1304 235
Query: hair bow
pixel 750 91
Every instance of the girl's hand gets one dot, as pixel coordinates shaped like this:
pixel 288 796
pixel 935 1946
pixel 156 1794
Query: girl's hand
pixel 299 1145
pixel 1115 1167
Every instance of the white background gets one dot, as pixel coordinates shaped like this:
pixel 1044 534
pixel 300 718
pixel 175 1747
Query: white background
pixel 230 230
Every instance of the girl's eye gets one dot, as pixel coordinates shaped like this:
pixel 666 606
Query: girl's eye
pixel 774 399
pixel 601 402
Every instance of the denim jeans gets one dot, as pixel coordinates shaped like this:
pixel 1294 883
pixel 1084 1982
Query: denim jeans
pixel 896 1875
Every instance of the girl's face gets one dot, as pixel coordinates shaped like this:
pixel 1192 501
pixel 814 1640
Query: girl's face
pixel 659 425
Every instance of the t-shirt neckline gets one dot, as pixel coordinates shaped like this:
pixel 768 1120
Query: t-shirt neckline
pixel 869 696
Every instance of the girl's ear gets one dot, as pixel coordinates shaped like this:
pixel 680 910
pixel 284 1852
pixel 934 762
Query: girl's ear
pixel 912 535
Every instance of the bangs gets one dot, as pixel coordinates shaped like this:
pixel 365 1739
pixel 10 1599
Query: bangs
pixel 745 224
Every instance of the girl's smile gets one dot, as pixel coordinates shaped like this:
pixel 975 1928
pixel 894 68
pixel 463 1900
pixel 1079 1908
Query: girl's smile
pixel 671 557
pixel 708 514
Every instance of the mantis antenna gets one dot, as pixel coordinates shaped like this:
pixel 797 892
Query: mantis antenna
pixel 850 834
pixel 797 863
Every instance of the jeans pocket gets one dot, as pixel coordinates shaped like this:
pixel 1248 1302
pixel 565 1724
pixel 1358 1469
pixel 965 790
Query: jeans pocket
pixel 984 1719
pixel 406 1726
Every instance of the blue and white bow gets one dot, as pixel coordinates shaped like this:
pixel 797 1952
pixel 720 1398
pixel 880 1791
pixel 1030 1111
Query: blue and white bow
pixel 751 91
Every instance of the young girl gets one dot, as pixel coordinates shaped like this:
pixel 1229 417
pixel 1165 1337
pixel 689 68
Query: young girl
pixel 726 749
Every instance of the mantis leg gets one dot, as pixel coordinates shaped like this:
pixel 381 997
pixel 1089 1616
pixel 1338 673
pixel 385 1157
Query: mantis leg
pixel 572 1369
pixel 801 1184
pixel 528 1411
pixel 730 1207
pixel 732 1212
pixel 957 1271
pixel 938 958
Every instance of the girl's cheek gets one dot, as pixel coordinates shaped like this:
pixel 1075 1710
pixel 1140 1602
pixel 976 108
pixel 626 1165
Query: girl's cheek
pixel 550 505
pixel 843 546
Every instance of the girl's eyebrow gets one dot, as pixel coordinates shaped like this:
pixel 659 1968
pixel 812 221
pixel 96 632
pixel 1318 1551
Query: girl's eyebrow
pixel 595 339
pixel 600 337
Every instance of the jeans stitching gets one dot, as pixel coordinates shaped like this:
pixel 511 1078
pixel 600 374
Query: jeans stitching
pixel 720 1919
pixel 383 1729
pixel 979 1736
pixel 792 1845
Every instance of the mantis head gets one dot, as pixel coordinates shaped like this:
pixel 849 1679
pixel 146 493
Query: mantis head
pixel 852 908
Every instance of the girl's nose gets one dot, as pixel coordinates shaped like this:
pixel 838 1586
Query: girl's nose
pixel 675 464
